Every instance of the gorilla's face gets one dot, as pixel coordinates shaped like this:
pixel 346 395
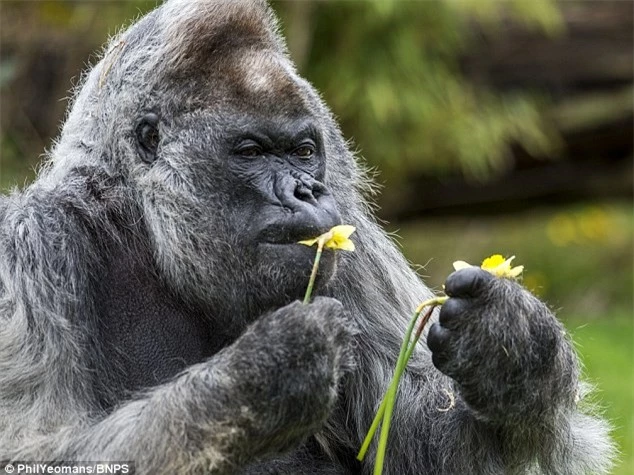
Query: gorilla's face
pixel 233 179
pixel 276 172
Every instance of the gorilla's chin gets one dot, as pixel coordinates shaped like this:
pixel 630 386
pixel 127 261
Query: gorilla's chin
pixel 286 269
pixel 271 276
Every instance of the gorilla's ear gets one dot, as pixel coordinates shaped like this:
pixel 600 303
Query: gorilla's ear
pixel 200 32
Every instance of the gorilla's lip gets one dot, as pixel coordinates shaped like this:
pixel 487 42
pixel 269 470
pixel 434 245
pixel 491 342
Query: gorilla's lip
pixel 290 244
pixel 276 236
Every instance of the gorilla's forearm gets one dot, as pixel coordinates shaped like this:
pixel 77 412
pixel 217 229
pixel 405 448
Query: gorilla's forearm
pixel 192 422
pixel 182 426
pixel 153 431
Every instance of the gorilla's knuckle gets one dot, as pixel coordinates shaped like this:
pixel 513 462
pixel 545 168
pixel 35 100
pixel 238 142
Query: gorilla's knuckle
pixel 327 309
pixel 469 282
pixel 453 313
pixel 439 360
pixel 438 338
pixel 327 304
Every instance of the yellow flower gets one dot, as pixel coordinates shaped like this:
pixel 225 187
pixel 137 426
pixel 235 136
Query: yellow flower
pixel 496 265
pixel 336 238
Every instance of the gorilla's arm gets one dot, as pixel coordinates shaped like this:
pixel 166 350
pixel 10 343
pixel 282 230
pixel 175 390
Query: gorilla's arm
pixel 509 404
pixel 247 401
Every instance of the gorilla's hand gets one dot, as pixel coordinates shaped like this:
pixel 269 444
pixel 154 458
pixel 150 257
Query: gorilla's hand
pixel 500 344
pixel 286 369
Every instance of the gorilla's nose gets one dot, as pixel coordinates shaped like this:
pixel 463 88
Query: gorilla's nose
pixel 314 208
pixel 312 193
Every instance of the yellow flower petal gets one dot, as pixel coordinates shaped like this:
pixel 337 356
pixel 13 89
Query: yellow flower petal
pixel 309 242
pixel 492 262
pixel 458 265
pixel 344 245
pixel 496 265
pixel 516 271
pixel 339 238
pixel 343 230
pixel 336 238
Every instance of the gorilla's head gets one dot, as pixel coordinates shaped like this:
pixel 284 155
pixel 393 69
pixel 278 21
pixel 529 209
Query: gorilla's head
pixel 230 155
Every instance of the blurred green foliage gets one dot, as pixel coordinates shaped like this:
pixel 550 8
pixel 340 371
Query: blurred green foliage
pixel 79 15
pixel 606 350
pixel 391 72
pixel 44 46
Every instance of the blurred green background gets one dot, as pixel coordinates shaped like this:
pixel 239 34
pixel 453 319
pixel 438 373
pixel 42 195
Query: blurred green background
pixel 492 127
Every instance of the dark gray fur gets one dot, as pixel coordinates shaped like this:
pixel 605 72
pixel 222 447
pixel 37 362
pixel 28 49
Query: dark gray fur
pixel 104 258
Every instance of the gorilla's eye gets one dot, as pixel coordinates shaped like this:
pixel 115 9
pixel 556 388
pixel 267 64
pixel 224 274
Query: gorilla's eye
pixel 305 151
pixel 249 150
pixel 147 136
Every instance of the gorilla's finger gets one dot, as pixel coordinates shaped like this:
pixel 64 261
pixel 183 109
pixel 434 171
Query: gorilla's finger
pixel 438 338
pixel 452 313
pixel 327 305
pixel 438 342
pixel 440 360
pixel 468 282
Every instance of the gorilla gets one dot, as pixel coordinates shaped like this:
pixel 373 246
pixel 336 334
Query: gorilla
pixel 149 281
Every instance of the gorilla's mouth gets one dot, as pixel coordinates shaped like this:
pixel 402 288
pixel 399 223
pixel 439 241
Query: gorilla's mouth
pixel 282 246
pixel 301 254
pixel 284 236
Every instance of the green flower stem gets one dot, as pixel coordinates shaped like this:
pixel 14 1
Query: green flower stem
pixel 387 414
pixel 385 410
pixel 379 414
pixel 375 425
pixel 408 350
pixel 313 274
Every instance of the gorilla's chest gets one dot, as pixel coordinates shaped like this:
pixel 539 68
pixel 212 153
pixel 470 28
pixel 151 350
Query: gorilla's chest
pixel 146 335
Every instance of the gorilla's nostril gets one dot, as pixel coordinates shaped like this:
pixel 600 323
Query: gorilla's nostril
pixel 318 190
pixel 304 192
